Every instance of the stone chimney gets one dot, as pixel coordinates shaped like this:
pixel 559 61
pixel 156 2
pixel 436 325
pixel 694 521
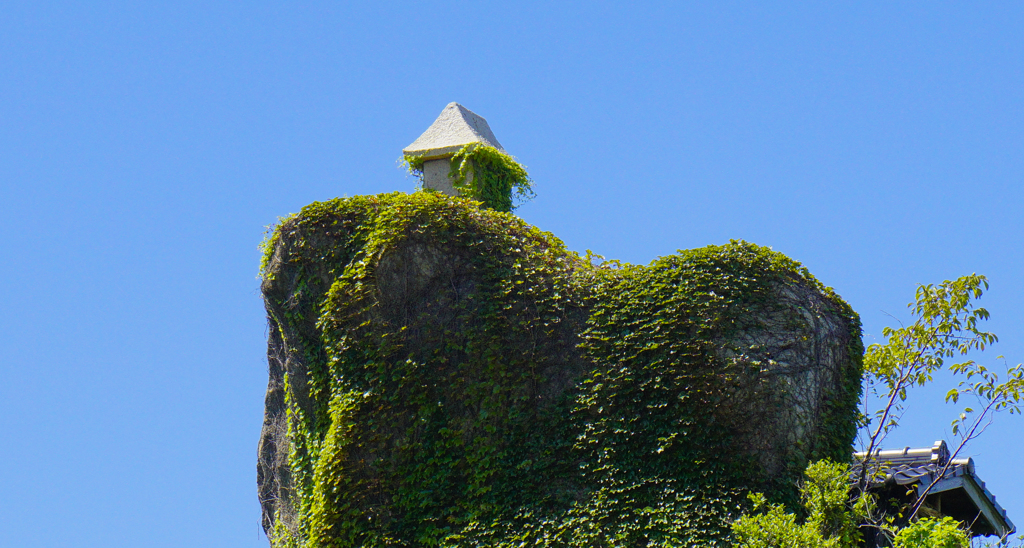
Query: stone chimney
pixel 456 127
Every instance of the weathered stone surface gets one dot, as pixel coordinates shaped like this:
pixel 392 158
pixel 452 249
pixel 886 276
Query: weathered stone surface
pixel 435 176
pixel 794 352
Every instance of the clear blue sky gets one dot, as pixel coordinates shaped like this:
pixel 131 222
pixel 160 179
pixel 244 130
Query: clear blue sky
pixel 145 145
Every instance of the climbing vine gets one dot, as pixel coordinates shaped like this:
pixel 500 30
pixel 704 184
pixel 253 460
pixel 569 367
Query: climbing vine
pixel 485 174
pixel 460 378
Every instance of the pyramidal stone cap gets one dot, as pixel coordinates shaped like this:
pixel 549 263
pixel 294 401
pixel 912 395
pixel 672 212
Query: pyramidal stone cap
pixel 456 127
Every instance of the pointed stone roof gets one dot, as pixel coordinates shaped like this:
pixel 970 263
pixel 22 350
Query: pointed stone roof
pixel 456 127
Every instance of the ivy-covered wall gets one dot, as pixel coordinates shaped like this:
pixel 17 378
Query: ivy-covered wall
pixel 446 375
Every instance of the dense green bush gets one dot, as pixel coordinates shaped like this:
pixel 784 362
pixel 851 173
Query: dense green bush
pixel 834 518
pixel 932 533
pixel 830 520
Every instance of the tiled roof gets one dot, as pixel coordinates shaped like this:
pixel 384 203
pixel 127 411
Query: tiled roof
pixel 921 467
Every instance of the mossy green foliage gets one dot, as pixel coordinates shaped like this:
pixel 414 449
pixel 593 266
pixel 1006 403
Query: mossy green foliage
pixel 424 414
pixel 657 414
pixel 474 383
pixel 485 174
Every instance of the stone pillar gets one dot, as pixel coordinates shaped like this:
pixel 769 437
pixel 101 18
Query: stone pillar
pixel 456 127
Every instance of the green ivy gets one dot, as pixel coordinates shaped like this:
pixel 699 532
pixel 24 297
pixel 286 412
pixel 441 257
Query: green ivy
pixel 485 174
pixel 534 398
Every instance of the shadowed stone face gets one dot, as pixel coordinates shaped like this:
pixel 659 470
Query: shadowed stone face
pixel 794 348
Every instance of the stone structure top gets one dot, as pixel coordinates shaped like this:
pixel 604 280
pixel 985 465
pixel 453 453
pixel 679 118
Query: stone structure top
pixel 456 127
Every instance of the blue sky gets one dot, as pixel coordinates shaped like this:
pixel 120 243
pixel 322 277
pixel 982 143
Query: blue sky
pixel 145 146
